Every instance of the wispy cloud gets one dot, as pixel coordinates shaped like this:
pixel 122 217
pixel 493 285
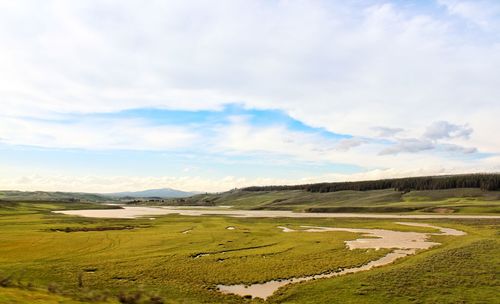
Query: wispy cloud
pixel 482 13
pixel 104 184
pixel 349 143
pixel 408 145
pixel 387 131
pixel 434 138
pixel 95 134
pixel 379 85
pixel 446 130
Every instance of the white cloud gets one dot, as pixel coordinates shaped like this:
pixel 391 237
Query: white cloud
pixel 409 145
pixel 332 64
pixel 348 67
pixel 106 184
pixel 456 148
pixel 349 143
pixel 446 130
pixel 482 13
pixel 432 139
pixel 387 131
pixel 92 134
pixel 241 138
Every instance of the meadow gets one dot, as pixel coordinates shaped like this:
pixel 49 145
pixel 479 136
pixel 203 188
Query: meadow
pixel 461 200
pixel 52 258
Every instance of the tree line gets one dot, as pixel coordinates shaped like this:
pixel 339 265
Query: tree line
pixel 488 182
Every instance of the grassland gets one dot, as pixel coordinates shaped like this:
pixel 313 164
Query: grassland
pixel 44 207
pixel 175 259
pixel 458 272
pixel 462 201
pixel 52 196
pixel 33 296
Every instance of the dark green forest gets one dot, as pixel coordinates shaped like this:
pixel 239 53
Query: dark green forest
pixel 488 182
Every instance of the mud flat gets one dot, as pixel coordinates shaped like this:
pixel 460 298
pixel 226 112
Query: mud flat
pixel 134 212
pixel 403 243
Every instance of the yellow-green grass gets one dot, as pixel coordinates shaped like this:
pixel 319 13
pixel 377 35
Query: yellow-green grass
pixel 51 196
pixel 22 296
pixel 465 201
pixel 32 207
pixel 463 270
pixel 158 259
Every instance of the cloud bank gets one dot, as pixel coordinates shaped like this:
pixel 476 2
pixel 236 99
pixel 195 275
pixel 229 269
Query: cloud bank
pixel 380 85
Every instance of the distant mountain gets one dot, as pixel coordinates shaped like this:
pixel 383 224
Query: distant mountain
pixel 163 193
pixel 89 197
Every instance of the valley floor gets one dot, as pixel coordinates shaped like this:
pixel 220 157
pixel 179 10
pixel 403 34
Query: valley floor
pixel 53 258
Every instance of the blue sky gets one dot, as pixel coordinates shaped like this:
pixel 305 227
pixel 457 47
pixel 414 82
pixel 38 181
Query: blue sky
pixel 207 96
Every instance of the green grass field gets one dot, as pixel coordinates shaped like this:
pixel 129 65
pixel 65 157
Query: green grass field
pixel 164 260
pixel 463 201
pixel 51 196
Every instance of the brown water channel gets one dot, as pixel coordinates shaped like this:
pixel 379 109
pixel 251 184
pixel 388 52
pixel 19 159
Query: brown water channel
pixel 402 243
pixel 134 212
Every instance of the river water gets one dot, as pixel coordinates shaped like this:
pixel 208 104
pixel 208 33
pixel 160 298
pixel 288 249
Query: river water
pixel 401 243
pixel 133 212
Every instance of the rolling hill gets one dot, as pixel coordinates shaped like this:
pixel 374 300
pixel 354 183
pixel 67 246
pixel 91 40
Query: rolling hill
pixel 472 193
pixel 13 195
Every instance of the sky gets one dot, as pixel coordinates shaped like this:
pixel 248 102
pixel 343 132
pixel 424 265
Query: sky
pixel 105 96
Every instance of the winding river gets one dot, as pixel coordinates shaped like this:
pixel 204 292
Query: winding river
pixel 402 243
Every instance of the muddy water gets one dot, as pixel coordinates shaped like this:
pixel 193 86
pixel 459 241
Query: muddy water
pixel 126 212
pixel 265 290
pixel 403 243
pixel 379 238
pixel 133 212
